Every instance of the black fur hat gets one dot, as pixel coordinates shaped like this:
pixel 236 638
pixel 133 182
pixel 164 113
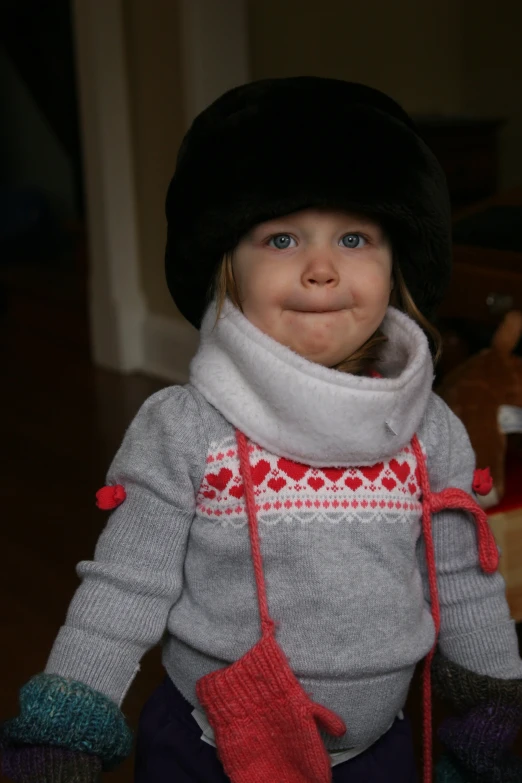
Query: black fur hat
pixel 276 146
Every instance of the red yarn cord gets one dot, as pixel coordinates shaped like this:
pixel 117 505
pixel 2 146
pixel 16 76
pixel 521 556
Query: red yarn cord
pixel 487 547
pixel 267 624
pixel 435 607
pixel 450 498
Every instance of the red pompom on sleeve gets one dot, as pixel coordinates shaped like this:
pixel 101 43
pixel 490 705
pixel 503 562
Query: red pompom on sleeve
pixel 110 496
pixel 482 481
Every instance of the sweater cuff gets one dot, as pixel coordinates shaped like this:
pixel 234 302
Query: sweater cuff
pixel 492 651
pixel 64 713
pixel 105 665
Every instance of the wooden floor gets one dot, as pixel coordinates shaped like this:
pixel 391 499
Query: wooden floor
pixel 62 420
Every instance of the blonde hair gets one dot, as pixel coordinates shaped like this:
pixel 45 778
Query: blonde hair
pixel 364 358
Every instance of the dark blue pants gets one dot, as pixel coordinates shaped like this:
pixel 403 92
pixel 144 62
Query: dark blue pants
pixel 170 749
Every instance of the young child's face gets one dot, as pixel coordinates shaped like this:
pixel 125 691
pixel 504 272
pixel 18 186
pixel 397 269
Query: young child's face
pixel 316 281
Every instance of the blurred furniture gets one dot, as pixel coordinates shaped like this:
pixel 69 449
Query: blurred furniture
pixel 506 522
pixel 467 149
pixel 487 282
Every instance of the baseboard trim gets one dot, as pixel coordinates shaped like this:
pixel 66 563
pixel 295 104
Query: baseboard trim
pixel 168 347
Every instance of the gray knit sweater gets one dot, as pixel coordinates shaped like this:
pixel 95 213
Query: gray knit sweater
pixel 339 517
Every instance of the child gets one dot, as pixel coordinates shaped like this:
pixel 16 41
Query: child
pixel 274 522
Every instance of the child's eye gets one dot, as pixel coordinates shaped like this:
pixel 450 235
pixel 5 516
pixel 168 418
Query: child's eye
pixel 281 241
pixel 353 240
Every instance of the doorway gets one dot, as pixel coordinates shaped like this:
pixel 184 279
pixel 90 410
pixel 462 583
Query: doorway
pixel 43 258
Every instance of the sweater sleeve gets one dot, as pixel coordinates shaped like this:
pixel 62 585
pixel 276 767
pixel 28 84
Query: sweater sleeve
pixel 477 631
pixel 121 608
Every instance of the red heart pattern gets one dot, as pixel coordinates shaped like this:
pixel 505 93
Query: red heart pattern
pixel 293 470
pixel 260 472
pixel 372 472
pixel 219 480
pixel 334 474
pixel 281 485
pixel 401 469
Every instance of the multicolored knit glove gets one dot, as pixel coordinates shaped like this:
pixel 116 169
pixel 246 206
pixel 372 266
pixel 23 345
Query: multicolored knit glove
pixel 479 738
pixel 450 771
pixel 33 764
pixel 57 713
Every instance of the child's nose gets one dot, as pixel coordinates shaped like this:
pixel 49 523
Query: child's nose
pixel 320 272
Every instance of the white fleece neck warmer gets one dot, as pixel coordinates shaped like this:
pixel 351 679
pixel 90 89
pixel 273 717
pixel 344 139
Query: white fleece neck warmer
pixel 304 411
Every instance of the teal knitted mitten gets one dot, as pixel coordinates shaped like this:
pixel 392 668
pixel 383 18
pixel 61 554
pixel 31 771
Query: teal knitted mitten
pixel 63 713
pixel 33 764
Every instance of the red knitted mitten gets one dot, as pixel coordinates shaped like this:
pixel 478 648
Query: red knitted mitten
pixel 265 725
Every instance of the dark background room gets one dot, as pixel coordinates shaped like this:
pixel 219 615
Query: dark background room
pixel 95 98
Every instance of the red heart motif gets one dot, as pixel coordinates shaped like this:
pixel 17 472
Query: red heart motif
pixel 294 470
pixel 237 491
pixel 316 483
pixel 219 480
pixel 353 483
pixel 277 484
pixel 260 471
pixel 401 470
pixel 482 481
pixel 210 494
pixel 389 483
pixel 412 487
pixel 372 471
pixel 334 474
pixel 110 496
